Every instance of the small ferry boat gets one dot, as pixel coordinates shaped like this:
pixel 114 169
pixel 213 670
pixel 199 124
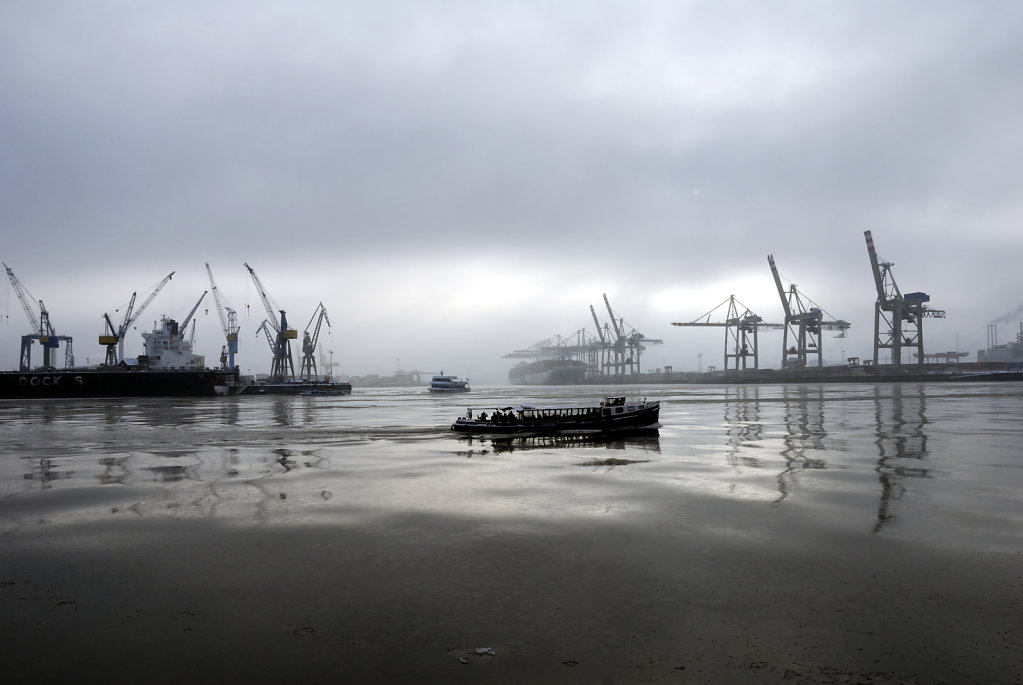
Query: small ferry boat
pixel 443 383
pixel 612 414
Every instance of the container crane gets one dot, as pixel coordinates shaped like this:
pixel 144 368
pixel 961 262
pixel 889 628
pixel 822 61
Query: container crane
pixel 228 322
pixel 39 322
pixel 309 342
pixel 579 346
pixel 898 318
pixel 283 368
pixel 741 330
pixel 622 352
pixel 114 337
pixel 804 321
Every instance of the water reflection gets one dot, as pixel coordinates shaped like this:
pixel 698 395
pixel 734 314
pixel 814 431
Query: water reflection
pixel 644 440
pixel 283 411
pixel 804 434
pixel 901 444
pixel 115 471
pixel 46 473
pixel 743 426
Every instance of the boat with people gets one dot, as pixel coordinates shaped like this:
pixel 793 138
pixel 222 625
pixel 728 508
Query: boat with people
pixel 445 383
pixel 612 414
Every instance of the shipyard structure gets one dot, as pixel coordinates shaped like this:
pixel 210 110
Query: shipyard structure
pixel 168 367
pixel 612 355
pixel 613 352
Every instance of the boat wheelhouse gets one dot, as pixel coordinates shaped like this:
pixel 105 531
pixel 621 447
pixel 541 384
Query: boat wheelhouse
pixel 612 414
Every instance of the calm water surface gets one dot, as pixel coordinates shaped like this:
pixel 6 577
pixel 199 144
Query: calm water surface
pixel 938 464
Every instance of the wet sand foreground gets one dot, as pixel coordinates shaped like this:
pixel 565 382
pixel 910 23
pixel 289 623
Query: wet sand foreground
pixel 696 593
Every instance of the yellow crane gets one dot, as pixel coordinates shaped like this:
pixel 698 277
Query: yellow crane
pixel 114 337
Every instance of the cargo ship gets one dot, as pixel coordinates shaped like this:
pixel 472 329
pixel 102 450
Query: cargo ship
pixel 548 372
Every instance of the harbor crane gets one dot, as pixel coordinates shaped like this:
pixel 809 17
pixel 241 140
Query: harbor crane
pixel 39 322
pixel 620 353
pixel 804 321
pixel 615 350
pixel 898 318
pixel 114 337
pixel 580 346
pixel 228 322
pixel 741 328
pixel 283 366
pixel 309 343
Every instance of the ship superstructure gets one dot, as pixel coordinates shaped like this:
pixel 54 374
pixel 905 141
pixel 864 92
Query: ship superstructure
pixel 167 347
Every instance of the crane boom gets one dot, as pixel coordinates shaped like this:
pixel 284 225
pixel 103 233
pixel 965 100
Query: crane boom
pixel 228 320
pixel 596 323
pixel 149 299
pixel 880 270
pixel 268 304
pixel 614 322
pixel 781 290
pixel 184 324
pixel 23 296
pixel 115 337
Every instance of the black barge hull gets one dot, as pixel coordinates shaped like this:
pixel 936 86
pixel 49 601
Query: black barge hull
pixel 114 383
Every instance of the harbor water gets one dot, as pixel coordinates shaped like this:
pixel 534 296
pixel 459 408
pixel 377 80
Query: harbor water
pixel 792 533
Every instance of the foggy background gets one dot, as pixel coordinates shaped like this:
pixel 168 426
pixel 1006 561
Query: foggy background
pixel 457 180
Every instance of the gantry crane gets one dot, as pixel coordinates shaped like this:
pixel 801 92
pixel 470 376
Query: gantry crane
pixel 740 333
pixel 309 342
pixel 579 346
pixel 40 322
pixel 620 352
pixel 898 318
pixel 114 337
pixel 283 367
pixel 804 321
pixel 228 321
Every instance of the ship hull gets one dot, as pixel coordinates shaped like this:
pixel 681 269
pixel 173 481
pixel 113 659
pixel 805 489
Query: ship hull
pixel 114 383
pixel 549 372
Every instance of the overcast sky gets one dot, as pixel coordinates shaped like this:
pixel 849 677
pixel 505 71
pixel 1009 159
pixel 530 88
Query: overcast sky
pixel 457 180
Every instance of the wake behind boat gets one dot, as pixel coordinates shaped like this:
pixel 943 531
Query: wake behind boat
pixel 611 415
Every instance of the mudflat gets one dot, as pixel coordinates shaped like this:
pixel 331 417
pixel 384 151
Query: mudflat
pixel 428 598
